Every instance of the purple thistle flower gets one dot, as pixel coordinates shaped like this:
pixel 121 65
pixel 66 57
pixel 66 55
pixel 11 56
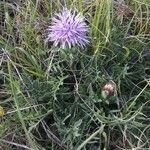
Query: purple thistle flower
pixel 68 29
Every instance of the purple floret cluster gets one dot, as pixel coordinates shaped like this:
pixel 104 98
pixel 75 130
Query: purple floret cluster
pixel 68 29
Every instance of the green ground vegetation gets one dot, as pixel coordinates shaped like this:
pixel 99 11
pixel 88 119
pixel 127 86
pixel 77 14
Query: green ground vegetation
pixel 51 97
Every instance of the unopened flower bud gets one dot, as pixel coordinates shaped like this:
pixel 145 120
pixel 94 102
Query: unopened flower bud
pixel 108 89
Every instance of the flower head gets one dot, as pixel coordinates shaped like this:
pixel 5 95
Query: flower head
pixel 68 29
pixel 108 89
